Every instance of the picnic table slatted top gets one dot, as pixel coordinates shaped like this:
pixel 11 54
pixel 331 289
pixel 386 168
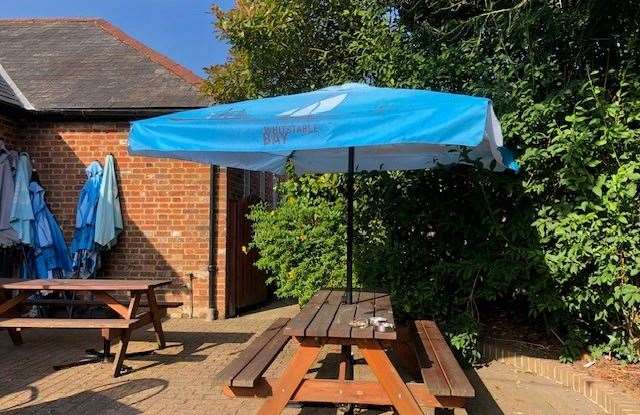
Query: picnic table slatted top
pixel 327 315
pixel 81 285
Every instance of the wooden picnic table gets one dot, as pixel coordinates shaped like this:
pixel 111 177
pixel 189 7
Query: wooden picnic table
pixel 325 320
pixel 129 315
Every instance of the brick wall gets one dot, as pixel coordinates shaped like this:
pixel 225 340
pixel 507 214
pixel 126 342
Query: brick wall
pixel 165 204
pixel 221 243
pixel 9 131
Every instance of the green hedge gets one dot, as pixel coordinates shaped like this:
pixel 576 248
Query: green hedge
pixel 561 236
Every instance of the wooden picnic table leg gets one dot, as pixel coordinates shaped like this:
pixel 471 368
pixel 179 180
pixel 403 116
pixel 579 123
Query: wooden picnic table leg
pixel 293 375
pixel 345 368
pixel 7 306
pixel 12 302
pixel 156 317
pixel 121 353
pixel 125 335
pixel 112 303
pixel 407 357
pixel 16 337
pixel 106 335
pixel 398 392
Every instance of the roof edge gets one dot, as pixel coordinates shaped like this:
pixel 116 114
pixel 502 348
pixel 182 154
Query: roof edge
pixel 21 97
pixel 123 114
pixel 151 54
pixel 44 20
pixel 119 109
pixel 108 27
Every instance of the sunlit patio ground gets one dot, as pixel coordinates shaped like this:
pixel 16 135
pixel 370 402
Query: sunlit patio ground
pixel 180 379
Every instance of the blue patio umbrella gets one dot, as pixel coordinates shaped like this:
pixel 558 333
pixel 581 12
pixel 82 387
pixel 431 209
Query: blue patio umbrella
pixel 345 128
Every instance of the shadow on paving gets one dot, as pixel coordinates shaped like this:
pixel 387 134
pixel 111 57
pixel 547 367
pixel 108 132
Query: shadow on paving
pixel 483 403
pixel 104 398
pixel 265 307
pixel 34 360
pixel 193 345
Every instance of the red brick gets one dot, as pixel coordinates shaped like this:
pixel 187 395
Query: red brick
pixel 165 202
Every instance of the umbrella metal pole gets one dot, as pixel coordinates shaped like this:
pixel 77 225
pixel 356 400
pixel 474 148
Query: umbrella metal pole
pixel 349 298
pixel 347 357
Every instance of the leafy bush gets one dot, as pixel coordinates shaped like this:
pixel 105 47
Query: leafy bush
pixel 561 236
pixel 302 240
pixel 590 231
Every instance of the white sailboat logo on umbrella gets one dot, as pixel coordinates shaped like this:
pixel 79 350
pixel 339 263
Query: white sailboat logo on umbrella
pixel 319 107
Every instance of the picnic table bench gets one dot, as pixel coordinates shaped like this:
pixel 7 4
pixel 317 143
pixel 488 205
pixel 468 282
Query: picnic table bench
pixel 91 303
pixel 248 367
pixel 439 368
pixel 325 320
pixel 130 317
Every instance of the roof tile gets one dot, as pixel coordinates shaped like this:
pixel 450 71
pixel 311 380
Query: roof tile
pixel 90 64
pixel 7 95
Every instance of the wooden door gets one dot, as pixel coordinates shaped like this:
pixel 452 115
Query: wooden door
pixel 249 286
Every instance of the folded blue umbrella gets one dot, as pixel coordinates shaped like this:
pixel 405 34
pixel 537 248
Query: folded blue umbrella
pixel 49 253
pixel 108 214
pixel 84 229
pixel 86 259
pixel 21 218
pixel 8 236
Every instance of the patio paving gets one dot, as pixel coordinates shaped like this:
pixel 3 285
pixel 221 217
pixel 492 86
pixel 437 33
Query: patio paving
pixel 179 379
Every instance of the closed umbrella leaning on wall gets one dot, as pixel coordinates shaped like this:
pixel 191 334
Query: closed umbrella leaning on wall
pixel 98 218
pixel 50 255
pixel 8 236
pixel 86 259
pixel 21 212
pixel 108 214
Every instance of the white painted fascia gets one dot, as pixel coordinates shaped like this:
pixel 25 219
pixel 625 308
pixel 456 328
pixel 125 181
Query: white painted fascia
pixel 23 100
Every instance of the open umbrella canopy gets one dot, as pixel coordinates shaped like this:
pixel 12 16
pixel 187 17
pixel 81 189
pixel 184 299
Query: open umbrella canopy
pixel 345 128
pixel 389 129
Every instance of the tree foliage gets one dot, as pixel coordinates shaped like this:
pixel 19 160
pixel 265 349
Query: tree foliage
pixel 562 236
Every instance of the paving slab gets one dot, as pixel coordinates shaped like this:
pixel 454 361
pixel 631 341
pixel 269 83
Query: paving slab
pixel 501 389
pixel 180 379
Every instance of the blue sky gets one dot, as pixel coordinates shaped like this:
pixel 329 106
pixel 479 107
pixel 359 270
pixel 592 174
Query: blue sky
pixel 180 29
